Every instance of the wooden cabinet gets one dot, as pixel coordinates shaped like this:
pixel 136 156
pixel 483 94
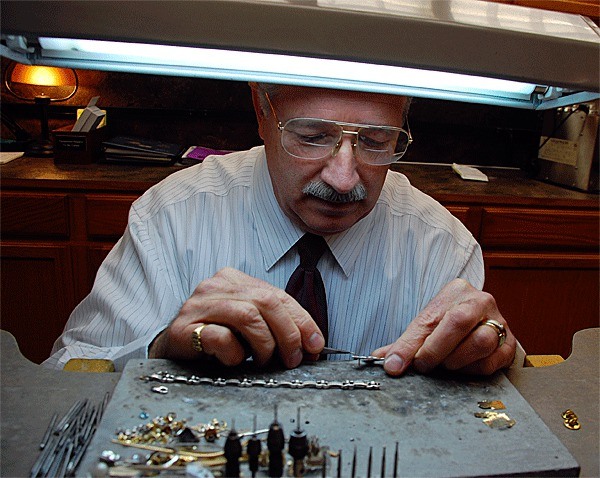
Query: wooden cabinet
pixel 52 246
pixel 37 279
pixel 540 242
pixel 546 297
pixel 56 232
pixel 37 294
pixel 542 268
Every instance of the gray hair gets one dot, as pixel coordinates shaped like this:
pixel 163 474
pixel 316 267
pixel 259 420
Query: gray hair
pixel 264 89
pixel 273 89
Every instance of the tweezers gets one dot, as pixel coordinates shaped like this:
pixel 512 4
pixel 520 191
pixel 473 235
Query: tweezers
pixel 364 358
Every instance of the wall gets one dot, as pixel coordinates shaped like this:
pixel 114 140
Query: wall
pixel 219 114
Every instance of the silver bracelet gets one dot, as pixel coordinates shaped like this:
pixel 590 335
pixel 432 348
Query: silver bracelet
pixel 167 377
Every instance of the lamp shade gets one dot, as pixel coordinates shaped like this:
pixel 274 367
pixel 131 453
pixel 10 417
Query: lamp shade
pixel 42 75
pixel 28 81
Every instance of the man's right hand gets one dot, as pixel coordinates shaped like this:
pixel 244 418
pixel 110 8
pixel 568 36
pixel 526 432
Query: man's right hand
pixel 240 311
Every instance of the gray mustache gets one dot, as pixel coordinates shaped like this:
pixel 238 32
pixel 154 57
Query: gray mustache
pixel 323 191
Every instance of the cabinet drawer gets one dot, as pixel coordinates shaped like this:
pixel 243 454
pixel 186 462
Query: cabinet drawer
pixel 34 215
pixel 106 216
pixel 469 216
pixel 540 228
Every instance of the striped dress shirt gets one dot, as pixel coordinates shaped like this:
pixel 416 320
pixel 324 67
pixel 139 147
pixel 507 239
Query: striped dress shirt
pixel 379 274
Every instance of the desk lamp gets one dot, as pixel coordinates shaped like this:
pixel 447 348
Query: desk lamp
pixel 42 85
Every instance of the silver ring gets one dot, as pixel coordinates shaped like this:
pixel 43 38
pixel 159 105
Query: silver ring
pixel 499 328
pixel 197 338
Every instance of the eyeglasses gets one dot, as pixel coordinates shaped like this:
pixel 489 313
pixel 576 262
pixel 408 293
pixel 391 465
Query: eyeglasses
pixel 314 138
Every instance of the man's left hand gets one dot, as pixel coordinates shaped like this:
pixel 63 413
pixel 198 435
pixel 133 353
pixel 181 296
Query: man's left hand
pixel 449 332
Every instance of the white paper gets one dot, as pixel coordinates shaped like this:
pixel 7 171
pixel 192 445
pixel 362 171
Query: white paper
pixel 469 173
pixel 5 157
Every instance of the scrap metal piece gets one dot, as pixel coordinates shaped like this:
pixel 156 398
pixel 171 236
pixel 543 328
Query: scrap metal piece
pixel 491 405
pixel 109 457
pixel 496 419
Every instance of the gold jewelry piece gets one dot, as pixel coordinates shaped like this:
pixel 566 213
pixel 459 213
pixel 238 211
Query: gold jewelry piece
pixel 499 328
pixel 570 420
pixel 197 338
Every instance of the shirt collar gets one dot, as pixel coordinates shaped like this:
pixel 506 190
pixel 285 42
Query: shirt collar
pixel 276 233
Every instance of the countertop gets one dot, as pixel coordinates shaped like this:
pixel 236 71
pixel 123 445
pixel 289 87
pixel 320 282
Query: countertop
pixel 440 182
pixel 30 394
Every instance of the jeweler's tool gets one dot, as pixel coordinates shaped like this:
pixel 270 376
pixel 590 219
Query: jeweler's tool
pixel 395 475
pixel 232 451
pixel 253 449
pixel 298 447
pixel 367 359
pixel 275 445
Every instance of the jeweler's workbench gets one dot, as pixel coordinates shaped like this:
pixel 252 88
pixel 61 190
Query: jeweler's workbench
pixel 431 418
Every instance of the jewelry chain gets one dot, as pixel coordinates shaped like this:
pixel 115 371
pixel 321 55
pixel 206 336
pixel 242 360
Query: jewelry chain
pixel 167 377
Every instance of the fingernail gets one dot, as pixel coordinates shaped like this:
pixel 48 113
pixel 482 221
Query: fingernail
pixel 296 358
pixel 316 342
pixel 393 364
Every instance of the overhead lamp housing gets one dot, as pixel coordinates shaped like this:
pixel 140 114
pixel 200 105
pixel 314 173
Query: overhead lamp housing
pixel 464 50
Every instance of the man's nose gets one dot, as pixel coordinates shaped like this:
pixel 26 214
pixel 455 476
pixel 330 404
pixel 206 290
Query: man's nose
pixel 340 170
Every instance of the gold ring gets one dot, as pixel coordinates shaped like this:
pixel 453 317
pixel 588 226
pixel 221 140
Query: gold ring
pixel 197 338
pixel 499 328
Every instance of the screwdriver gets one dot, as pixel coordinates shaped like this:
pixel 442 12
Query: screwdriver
pixel 253 448
pixel 275 445
pixel 232 451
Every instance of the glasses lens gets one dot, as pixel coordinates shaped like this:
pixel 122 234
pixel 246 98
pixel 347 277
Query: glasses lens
pixel 310 139
pixel 382 145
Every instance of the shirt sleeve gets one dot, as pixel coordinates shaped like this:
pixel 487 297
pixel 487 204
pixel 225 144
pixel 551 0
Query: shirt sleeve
pixel 131 302
pixel 452 253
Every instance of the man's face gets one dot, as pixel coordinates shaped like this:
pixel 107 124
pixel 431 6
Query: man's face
pixel 343 173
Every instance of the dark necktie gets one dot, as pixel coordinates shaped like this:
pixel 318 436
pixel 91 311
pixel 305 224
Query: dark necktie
pixel 306 285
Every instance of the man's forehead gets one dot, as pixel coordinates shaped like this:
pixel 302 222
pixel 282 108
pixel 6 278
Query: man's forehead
pixel 305 97
pixel 306 93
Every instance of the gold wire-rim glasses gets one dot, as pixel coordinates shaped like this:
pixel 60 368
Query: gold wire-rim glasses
pixel 362 152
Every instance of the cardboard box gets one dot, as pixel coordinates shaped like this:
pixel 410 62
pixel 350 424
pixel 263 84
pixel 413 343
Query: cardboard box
pixel 568 153
pixel 77 147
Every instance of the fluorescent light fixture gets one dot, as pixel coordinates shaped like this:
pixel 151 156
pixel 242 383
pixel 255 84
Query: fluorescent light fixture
pixel 448 49
pixel 287 69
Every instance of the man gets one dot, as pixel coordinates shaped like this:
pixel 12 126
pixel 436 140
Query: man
pixel 201 269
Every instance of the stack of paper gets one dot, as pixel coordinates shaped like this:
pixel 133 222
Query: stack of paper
pixel 130 149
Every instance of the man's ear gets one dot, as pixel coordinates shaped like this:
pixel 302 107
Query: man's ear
pixel 261 114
